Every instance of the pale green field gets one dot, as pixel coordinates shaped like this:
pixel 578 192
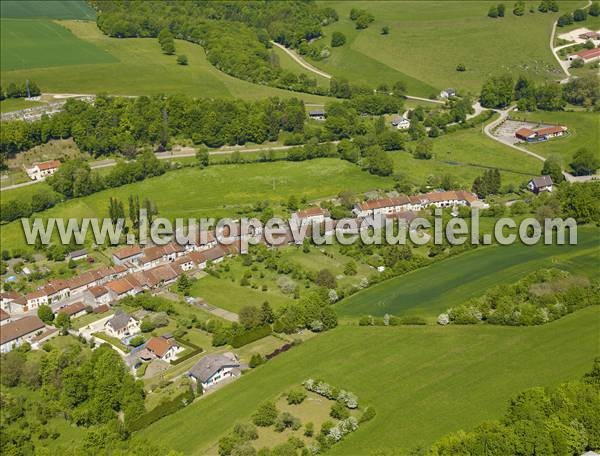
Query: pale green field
pixel 428 39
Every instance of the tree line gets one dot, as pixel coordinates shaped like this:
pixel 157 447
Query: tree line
pixel 25 89
pixel 501 90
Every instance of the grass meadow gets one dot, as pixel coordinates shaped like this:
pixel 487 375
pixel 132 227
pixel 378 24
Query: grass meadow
pixel 429 291
pixel 427 40
pixel 128 66
pixel 583 132
pixel 423 381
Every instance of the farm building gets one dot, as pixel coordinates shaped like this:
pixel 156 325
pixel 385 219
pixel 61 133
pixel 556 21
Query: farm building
pixel 78 255
pixel 540 184
pixel 587 55
pixel 39 171
pixel 541 134
pixel 447 93
pixel 310 215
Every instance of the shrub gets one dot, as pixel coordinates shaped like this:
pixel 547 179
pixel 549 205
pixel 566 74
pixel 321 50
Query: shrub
pixel 296 396
pixel 160 411
pixel 137 341
pixel 338 39
pixel 265 415
pixel 255 360
pixel 309 429
pixel 339 411
pixel 250 336
pixel 368 414
pixel 182 59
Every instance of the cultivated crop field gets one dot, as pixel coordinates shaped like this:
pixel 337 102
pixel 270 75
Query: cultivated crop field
pixel 429 291
pixel 40 43
pixel 422 381
pixel 51 9
pixel 427 40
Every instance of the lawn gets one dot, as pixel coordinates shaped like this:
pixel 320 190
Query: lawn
pixel 16 104
pixel 432 290
pixel 217 191
pixel 427 40
pixel 132 66
pixel 423 381
pixel 41 43
pixel 583 132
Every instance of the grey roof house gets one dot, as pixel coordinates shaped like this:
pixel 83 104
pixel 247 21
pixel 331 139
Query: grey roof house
pixel 215 368
pixel 540 184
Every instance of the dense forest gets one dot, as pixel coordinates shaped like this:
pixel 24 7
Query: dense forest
pixel 236 35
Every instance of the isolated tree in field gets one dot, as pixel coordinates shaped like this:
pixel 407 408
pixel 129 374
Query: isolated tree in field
pixel 399 88
pixel 378 162
pixel 202 156
pixel 493 11
pixel 461 67
pixel 594 9
pixel 165 39
pixel 552 167
pixel 584 162
pixel 363 21
pixel 385 30
pixel 267 316
pixel 338 39
pixel 182 59
pixel 497 92
pixel 250 317
pixel 424 149
pixel 184 284
pixel 579 15
pixel 265 415
pixel 519 8
pixel 45 313
pixel 501 9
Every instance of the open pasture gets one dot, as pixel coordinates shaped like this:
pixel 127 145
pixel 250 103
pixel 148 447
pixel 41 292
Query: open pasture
pixel 423 381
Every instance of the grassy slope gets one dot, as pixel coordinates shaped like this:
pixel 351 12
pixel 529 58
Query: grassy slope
pixel 138 68
pixel 40 43
pixel 428 39
pixel 423 381
pixel 53 9
pixel 218 190
pixel 15 104
pixel 432 290
pixel 583 132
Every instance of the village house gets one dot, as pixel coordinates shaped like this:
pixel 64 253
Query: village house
pixel 214 255
pixel 164 348
pixel 382 206
pixel 77 309
pixel 97 295
pixel 447 93
pixel 403 203
pixel 39 171
pixel 125 286
pixel 78 255
pixel 15 333
pixel 540 134
pixel 587 55
pixel 13 302
pixel 540 184
pixel 309 216
pixel 213 369
pixel 401 123
pixel 36 299
pixel 185 263
pixel 4 317
pixel 122 325
pixel 130 254
pixel 317 114
pixel 57 290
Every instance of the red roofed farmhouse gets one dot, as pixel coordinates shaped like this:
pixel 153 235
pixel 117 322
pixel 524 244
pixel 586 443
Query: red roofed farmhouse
pixel 40 171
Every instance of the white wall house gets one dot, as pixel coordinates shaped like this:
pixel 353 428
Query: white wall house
pixel 213 369
pixel 40 171
pixel 17 332
pixel 122 325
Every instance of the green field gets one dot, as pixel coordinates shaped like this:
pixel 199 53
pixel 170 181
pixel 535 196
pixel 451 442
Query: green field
pixel 52 9
pixel 423 381
pixel 428 39
pixel 432 290
pixel 583 132
pixel 217 191
pixel 16 104
pixel 133 66
pixel 39 43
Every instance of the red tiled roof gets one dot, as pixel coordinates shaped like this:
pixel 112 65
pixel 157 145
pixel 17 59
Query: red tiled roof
pixel 159 346
pixel 310 212
pixel 588 53
pixel 4 315
pixel 400 200
pixel 550 130
pixel 120 286
pixel 98 291
pixel 524 132
pixel 72 309
pixel 127 252
pixel 44 166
